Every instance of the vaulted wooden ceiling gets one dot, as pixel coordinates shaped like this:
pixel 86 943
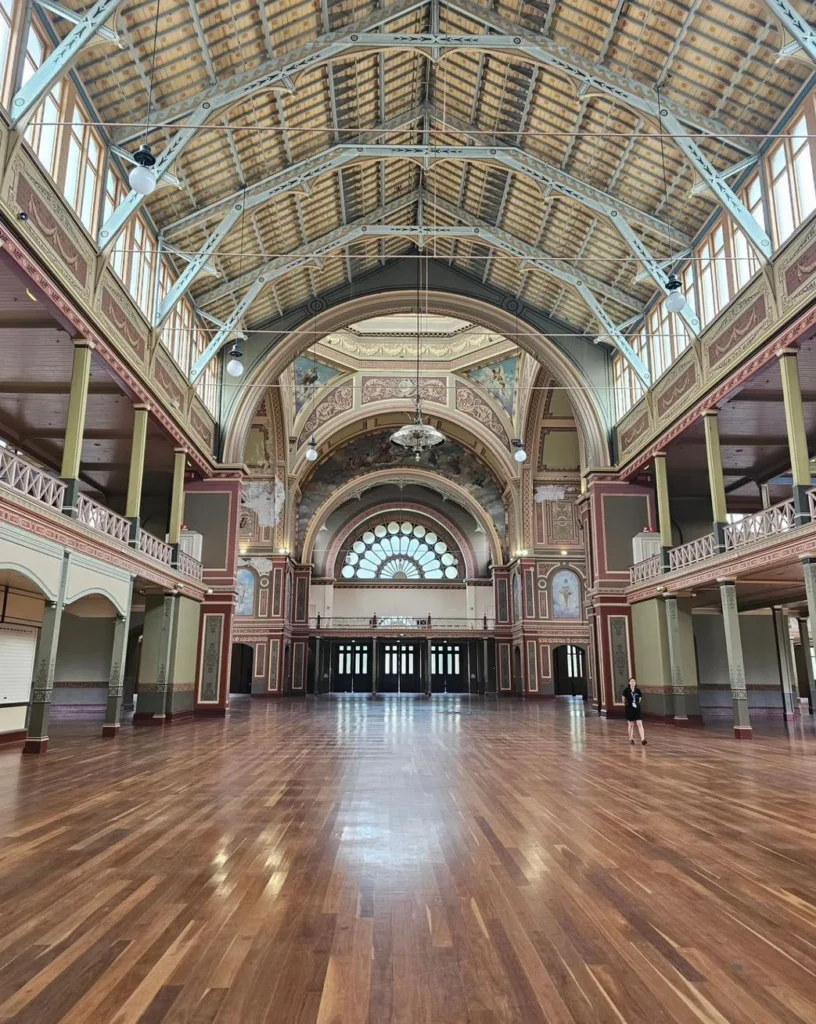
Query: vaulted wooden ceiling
pixel 716 58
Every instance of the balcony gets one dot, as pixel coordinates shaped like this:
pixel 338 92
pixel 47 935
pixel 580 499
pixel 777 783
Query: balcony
pixel 770 523
pixel 400 623
pixel 23 479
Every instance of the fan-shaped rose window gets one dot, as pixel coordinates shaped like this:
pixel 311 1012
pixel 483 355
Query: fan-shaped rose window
pixel 400 552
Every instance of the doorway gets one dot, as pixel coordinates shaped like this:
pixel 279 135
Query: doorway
pixel 569 668
pixel 400 668
pixel 351 667
pixel 243 658
pixel 518 678
pixel 449 668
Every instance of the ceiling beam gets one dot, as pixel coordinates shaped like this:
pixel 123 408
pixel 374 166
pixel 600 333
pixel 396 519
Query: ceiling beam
pixel 797 26
pixel 368 227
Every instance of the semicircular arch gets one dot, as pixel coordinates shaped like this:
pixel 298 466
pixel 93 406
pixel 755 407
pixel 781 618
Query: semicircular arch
pixel 271 363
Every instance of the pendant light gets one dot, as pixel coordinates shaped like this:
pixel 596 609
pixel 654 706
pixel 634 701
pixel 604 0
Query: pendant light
pixel 312 453
pixel 235 367
pixel 142 177
pixel 520 455
pixel 418 437
pixel 675 300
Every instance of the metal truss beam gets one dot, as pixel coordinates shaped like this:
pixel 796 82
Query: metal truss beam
pixel 57 63
pixel 68 15
pixel 368 227
pixel 797 27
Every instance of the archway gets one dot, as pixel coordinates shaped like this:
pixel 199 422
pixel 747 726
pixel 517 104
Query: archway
pixel 569 671
pixel 268 364
pixel 242 660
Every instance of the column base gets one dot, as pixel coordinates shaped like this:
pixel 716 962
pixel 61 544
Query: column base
pixel 690 720
pixel 374 696
pixel 147 718
pixel 109 732
pixel 790 716
pixel 743 732
pixel 35 746
pixel 210 712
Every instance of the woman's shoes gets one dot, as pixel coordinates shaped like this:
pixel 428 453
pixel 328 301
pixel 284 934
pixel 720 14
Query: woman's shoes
pixel 643 742
pixel 632 742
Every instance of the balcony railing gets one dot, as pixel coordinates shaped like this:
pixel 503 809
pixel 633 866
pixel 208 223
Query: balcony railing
pixel 767 523
pixel 92 514
pixel 400 623
pixel 692 552
pixel 27 479
pixel 155 548
pixel 190 566
pixel 646 570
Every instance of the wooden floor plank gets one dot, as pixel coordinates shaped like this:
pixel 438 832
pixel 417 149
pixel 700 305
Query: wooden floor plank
pixel 409 862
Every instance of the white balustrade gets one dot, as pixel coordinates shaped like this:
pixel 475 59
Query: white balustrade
pixel 92 514
pixel 155 548
pixel 190 566
pixel 693 552
pixel 27 479
pixel 767 523
pixel 646 569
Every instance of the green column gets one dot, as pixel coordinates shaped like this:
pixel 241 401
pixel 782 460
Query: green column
pixel 156 659
pixel 45 661
pixel 663 507
pixel 797 436
pixel 716 483
pixel 133 504
pixel 804 637
pixel 676 661
pixel 736 664
pixel 177 497
pixel 374 668
pixel 787 672
pixel 75 427
pixel 113 710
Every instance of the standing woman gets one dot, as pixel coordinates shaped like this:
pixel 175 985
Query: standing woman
pixel 633 699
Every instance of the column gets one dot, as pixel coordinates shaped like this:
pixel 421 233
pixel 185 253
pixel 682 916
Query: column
pixel 787 672
pixel 427 680
pixel 797 437
pixel 716 482
pixel 75 427
pixel 45 661
pixel 684 681
pixel 374 669
pixel 804 638
pixel 133 502
pixel 156 659
pixel 663 507
pixel 177 497
pixel 113 711
pixel 316 674
pixel 736 664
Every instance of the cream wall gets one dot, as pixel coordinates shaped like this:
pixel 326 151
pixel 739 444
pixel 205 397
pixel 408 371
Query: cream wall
pixel 652 665
pixel 445 603
pixel 759 654
pixel 82 671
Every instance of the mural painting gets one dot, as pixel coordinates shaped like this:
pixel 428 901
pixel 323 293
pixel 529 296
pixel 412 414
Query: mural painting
pixel 373 452
pixel 245 597
pixel 500 379
pixel 566 595
pixel 309 376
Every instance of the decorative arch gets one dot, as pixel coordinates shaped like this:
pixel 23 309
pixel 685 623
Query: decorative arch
pixel 362 520
pixel 22 570
pixel 114 601
pixel 272 362
pixel 421 477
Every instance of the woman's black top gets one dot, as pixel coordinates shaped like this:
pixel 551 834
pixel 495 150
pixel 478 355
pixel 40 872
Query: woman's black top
pixel 633 700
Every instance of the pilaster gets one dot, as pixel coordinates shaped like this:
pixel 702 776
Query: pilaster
pixel 45 660
pixel 804 639
pixel 736 664
pixel 684 681
pixel 113 709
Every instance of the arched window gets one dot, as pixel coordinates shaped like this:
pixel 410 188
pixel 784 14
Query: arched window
pixel 399 552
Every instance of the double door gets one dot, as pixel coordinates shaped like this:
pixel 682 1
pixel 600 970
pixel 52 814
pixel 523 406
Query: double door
pixel 449 667
pixel 352 667
pixel 400 666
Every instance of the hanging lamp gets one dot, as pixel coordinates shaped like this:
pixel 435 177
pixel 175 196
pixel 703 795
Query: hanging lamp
pixel 142 178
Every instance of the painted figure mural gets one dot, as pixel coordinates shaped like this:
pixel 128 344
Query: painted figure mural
pixel 245 598
pixel 500 380
pixel 309 376
pixel 566 595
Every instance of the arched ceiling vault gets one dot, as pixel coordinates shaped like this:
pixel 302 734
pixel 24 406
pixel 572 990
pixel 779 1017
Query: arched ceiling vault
pixel 266 114
pixel 268 363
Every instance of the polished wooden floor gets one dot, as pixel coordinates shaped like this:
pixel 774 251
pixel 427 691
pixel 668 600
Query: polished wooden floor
pixel 347 862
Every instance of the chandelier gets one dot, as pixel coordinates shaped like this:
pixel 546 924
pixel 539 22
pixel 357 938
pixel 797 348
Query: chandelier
pixel 418 437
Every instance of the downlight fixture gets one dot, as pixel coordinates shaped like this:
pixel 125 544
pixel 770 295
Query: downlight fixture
pixel 520 455
pixel 235 367
pixel 312 453
pixel 675 299
pixel 143 176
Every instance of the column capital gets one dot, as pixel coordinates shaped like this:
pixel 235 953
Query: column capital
pixel 711 412
pixel 142 407
pixel 788 350
pixel 83 343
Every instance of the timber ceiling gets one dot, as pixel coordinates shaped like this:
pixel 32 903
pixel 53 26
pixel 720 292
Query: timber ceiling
pixel 717 58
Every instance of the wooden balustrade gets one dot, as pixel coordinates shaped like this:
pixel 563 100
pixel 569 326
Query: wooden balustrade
pixel 155 548
pixel 26 479
pixel 693 552
pixel 92 514
pixel 767 523
pixel 646 570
